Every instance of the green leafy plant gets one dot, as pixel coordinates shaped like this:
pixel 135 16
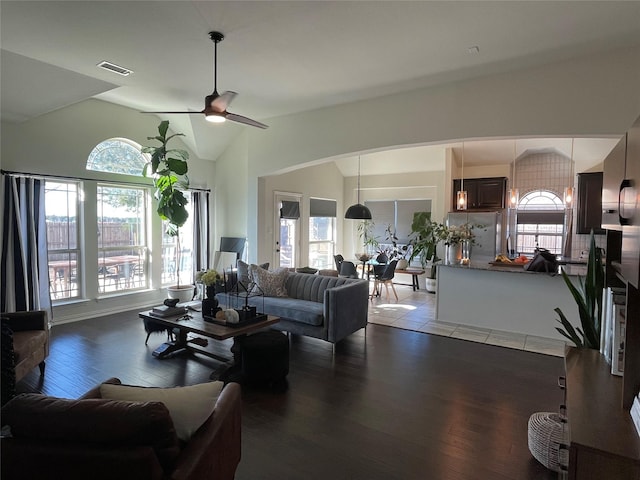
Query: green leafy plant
pixel 425 236
pixel 365 231
pixel 588 297
pixel 168 167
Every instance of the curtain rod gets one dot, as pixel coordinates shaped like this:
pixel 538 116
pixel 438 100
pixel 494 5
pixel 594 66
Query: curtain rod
pixel 124 182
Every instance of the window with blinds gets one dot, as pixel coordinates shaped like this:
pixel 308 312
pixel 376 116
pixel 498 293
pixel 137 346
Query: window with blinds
pixel 398 214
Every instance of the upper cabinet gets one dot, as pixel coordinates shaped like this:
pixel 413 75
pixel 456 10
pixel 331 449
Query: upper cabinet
pixel 614 173
pixel 482 193
pixel 621 200
pixel 589 205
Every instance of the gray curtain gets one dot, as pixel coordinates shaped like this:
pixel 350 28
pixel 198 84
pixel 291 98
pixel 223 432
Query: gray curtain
pixel 24 273
pixel 201 242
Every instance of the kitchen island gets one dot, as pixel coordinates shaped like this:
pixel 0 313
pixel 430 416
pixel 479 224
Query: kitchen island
pixel 505 298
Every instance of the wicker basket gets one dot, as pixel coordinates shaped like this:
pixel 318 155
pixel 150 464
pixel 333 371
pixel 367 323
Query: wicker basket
pixel 546 434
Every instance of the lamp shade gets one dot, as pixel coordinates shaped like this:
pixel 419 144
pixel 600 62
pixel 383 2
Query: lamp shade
pixel 358 212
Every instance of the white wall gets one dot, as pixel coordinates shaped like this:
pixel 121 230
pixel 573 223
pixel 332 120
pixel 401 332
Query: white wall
pixel 597 95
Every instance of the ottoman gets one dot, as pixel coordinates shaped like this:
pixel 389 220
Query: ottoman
pixel 265 359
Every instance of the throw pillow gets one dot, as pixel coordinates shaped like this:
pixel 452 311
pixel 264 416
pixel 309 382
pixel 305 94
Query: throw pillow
pixel 244 275
pixel 189 406
pixel 271 283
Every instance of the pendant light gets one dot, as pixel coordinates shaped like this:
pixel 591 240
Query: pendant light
pixel 461 197
pixel 568 191
pixel 358 211
pixel 514 194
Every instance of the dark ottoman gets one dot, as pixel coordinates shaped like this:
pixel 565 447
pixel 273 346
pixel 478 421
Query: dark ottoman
pixel 265 359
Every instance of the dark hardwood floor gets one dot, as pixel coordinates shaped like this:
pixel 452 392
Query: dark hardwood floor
pixel 400 405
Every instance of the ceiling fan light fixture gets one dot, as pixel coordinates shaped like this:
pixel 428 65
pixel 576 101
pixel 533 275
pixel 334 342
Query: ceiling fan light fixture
pixel 215 118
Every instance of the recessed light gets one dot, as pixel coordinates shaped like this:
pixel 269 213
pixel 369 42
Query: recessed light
pixel 473 50
pixel 112 67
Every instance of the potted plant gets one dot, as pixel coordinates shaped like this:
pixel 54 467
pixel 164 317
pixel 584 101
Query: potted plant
pixel 168 167
pixel 396 252
pixel 425 235
pixel 369 241
pixel 588 297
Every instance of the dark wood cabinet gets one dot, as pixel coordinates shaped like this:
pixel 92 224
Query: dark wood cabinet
pixel 482 193
pixel 604 441
pixel 614 172
pixel 589 204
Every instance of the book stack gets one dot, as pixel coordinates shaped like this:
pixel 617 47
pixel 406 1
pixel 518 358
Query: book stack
pixel 635 413
pixel 166 311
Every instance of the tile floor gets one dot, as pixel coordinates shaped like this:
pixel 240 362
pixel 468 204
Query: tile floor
pixel 417 310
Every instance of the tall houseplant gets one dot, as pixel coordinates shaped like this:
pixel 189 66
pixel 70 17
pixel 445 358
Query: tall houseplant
pixel 588 297
pixel 168 167
pixel 369 241
pixel 424 237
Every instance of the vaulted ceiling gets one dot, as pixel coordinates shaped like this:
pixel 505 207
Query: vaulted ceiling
pixel 283 57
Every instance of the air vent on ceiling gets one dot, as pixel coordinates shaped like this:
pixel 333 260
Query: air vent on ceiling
pixel 112 67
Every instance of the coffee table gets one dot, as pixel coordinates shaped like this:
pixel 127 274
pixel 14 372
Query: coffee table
pixel 194 323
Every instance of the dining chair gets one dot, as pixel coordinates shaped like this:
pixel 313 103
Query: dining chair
pixel 385 278
pixel 338 259
pixel 348 270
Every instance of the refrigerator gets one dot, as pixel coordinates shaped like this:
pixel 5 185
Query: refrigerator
pixel 488 239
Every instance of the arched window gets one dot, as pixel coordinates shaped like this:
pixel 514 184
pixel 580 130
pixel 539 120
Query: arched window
pixel 117 155
pixel 540 222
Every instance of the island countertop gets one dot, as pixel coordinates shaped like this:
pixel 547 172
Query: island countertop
pixel 569 268
pixel 504 298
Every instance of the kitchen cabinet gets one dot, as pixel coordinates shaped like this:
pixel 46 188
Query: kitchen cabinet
pixel 604 441
pixel 589 204
pixel 621 199
pixel 482 193
pixel 614 173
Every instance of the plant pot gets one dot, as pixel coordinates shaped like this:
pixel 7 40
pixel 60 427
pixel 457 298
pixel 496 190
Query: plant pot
pixel 430 285
pixel 402 264
pixel 184 293
pixel 454 254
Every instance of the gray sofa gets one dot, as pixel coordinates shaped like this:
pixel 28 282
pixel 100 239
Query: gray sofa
pixel 318 306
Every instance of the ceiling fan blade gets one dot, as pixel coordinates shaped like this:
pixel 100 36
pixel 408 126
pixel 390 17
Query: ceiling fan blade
pixel 173 112
pixel 247 121
pixel 222 102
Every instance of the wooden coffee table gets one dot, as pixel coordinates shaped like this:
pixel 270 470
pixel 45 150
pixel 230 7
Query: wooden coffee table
pixel 194 323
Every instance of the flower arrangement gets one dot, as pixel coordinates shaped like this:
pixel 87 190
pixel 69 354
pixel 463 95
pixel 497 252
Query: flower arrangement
pixel 456 234
pixel 209 277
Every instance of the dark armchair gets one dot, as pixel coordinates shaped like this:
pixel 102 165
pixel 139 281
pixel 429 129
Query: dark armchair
pixel 25 344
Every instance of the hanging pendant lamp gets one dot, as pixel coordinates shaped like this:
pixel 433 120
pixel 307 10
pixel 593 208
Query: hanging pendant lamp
pixel 358 211
pixel 514 194
pixel 461 197
pixel 568 191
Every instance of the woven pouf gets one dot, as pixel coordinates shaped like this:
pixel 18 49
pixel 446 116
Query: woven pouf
pixel 546 433
pixel 265 358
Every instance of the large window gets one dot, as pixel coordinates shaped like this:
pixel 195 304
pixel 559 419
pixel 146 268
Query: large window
pixel 122 239
pixel 61 207
pixel 540 222
pixel 397 214
pixel 184 244
pixel 322 232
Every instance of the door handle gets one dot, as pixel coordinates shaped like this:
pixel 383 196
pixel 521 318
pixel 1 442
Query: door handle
pixel 624 220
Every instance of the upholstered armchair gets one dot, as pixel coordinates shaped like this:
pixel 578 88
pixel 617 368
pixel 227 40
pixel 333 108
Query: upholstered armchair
pixel 25 344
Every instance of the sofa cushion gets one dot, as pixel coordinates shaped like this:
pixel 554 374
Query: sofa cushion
pixel 189 406
pixel 270 283
pixel 244 275
pixel 311 287
pixel 93 421
pixel 24 343
pixel 303 311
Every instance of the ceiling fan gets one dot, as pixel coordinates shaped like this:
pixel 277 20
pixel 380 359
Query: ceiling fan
pixel 215 105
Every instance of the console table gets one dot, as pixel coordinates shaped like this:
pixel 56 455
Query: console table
pixel 414 276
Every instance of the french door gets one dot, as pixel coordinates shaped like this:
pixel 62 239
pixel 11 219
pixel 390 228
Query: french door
pixel 287 229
